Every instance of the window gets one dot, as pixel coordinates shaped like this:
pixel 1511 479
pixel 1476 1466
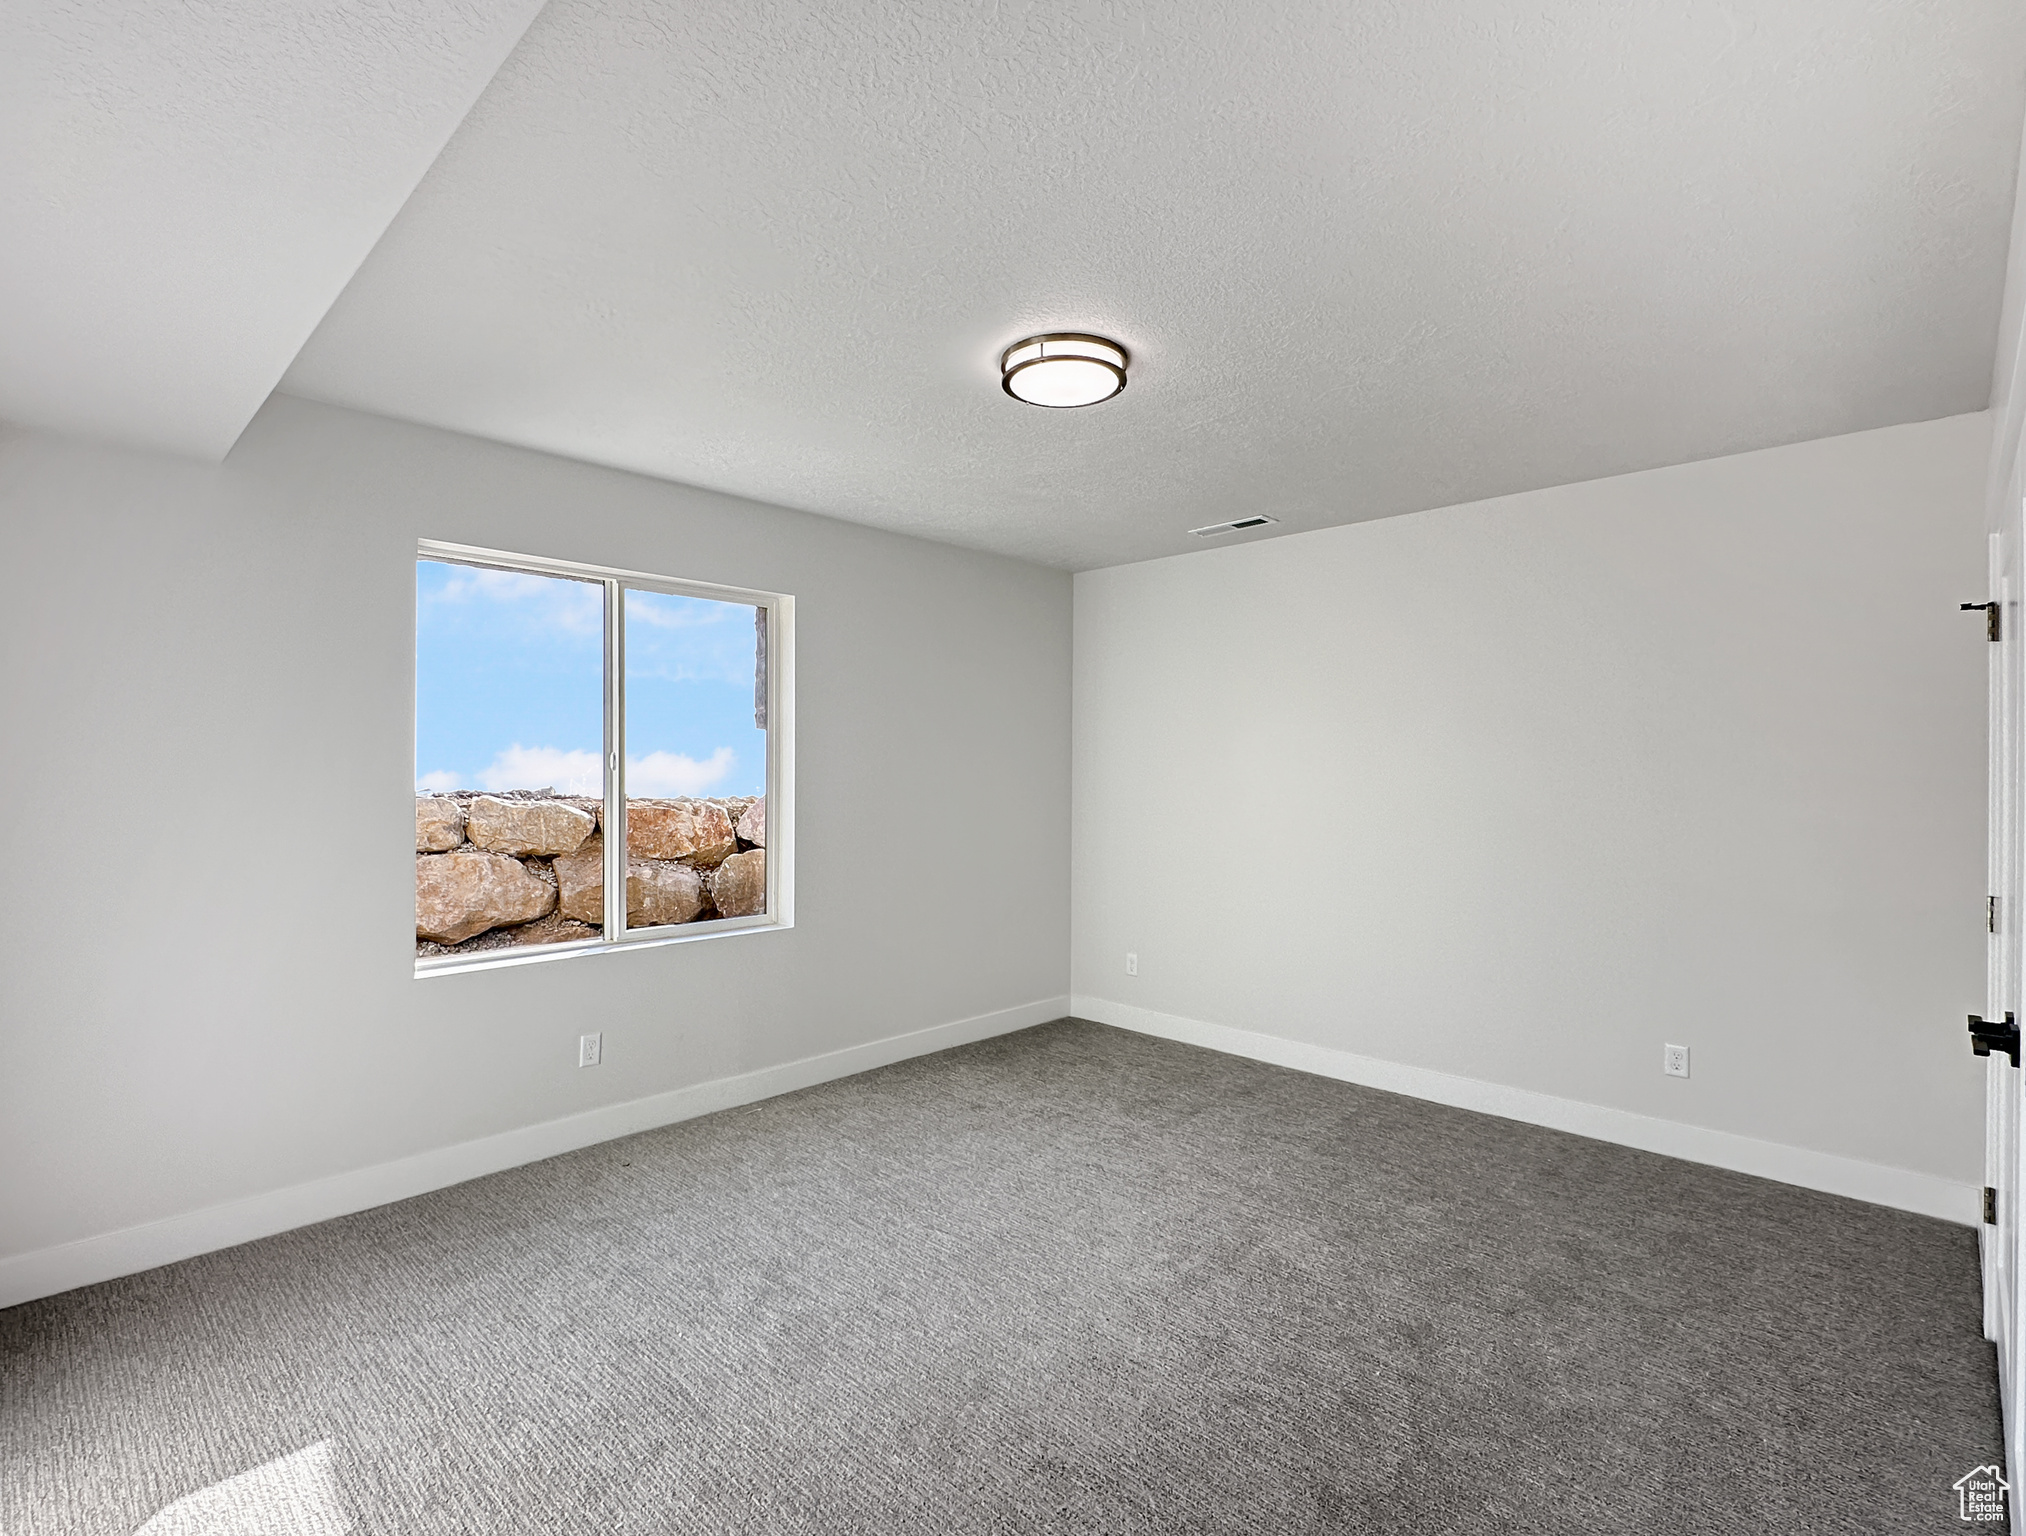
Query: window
pixel 601 758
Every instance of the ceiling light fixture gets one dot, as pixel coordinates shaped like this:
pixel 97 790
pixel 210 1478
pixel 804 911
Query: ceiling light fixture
pixel 1062 369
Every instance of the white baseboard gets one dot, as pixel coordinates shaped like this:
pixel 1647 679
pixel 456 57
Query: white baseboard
pixel 45 1271
pixel 1900 1188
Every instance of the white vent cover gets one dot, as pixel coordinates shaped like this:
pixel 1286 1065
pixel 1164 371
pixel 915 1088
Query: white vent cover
pixel 1211 530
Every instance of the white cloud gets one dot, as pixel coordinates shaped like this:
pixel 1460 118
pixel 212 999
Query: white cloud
pixel 681 612
pixel 574 606
pixel 436 783
pixel 579 773
pixel 688 639
pixel 570 773
pixel 671 773
pixel 499 585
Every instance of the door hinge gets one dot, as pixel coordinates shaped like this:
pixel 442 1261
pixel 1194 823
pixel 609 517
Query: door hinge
pixel 1990 914
pixel 1988 1035
pixel 1990 1206
pixel 1990 618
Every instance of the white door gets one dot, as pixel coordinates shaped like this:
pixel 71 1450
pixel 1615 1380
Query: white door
pixel 2003 1168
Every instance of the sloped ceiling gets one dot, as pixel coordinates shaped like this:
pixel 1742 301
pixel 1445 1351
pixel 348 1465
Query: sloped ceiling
pixel 187 187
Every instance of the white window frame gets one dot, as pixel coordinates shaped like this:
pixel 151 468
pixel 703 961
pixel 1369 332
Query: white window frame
pixel 780 786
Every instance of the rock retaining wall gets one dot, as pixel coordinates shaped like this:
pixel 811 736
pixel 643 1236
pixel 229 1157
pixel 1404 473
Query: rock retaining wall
pixel 516 867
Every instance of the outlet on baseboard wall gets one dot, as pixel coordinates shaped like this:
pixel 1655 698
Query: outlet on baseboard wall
pixel 590 1049
pixel 1132 963
pixel 1674 1060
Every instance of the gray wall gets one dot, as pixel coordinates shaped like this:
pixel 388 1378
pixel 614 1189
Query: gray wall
pixel 1521 790
pixel 208 696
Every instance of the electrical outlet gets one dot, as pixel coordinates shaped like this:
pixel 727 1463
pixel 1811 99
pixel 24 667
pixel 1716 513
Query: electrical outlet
pixel 1132 965
pixel 590 1048
pixel 1674 1060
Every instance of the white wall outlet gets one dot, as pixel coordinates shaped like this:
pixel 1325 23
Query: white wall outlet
pixel 1674 1060
pixel 591 1047
pixel 1132 965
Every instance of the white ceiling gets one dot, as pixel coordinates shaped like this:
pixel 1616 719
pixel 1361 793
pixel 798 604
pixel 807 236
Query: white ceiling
pixel 1369 257
pixel 186 188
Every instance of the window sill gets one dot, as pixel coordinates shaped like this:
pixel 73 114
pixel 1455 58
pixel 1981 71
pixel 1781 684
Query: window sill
pixel 645 938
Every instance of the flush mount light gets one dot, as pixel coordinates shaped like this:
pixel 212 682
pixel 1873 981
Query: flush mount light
pixel 1062 369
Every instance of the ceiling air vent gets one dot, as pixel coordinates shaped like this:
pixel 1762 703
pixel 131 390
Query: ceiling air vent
pixel 1214 529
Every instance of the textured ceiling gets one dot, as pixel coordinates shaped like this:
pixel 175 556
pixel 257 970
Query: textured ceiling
pixel 188 186
pixel 1369 257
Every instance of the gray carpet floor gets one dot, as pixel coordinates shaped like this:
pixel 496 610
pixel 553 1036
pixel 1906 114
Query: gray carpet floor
pixel 1071 1280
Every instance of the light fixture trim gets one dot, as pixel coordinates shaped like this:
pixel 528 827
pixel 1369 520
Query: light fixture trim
pixel 1075 368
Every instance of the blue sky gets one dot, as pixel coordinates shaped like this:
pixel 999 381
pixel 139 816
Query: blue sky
pixel 509 684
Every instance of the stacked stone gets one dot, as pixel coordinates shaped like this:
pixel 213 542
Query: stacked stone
pixel 528 866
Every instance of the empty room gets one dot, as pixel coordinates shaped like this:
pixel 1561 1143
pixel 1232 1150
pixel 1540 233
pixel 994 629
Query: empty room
pixel 1174 768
